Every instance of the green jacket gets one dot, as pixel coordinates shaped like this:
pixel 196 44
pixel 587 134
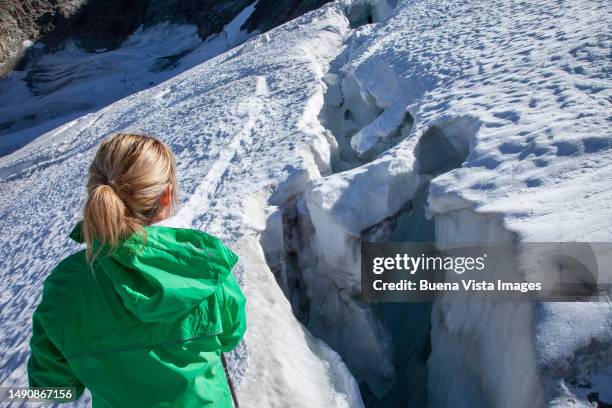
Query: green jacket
pixel 144 326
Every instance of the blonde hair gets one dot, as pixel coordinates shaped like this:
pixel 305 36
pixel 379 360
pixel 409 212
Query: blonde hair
pixel 127 178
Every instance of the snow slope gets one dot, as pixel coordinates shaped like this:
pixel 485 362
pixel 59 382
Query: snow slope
pixel 68 83
pixel 453 121
pixel 234 124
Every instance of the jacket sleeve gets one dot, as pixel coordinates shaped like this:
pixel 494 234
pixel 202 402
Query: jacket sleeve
pixel 233 315
pixel 47 367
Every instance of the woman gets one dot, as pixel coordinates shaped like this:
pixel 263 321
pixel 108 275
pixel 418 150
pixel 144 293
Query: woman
pixel 142 315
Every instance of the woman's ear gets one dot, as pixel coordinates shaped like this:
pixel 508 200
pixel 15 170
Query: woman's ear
pixel 166 197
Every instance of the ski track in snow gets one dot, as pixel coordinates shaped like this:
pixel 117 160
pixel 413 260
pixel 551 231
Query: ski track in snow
pixel 252 110
pixel 524 87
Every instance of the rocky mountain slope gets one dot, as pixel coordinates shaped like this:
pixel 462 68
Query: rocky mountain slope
pixel 106 24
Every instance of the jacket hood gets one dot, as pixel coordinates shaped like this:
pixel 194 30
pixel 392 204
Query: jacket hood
pixel 165 274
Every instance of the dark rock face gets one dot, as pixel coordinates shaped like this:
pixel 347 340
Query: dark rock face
pixel 95 23
pixel 209 15
pixel 271 13
pixel 106 24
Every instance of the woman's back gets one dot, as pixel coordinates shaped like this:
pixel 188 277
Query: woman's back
pixel 141 316
pixel 146 326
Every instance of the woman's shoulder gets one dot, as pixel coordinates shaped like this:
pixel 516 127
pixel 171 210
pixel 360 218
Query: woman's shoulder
pixel 69 274
pixel 73 266
pixel 181 235
pixel 190 241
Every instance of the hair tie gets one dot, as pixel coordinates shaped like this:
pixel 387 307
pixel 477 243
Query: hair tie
pixel 110 183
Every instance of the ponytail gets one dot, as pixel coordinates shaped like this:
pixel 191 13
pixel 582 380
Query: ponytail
pixel 105 219
pixel 126 180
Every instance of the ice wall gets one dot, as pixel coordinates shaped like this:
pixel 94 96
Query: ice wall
pixel 489 342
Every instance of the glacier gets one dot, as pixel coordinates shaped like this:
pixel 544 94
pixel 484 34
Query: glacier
pixel 366 120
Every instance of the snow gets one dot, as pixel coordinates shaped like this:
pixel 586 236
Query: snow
pixel 457 121
pixel 490 341
pixel 235 141
pixel 232 33
pixel 285 348
pixel 61 86
pixel 534 77
pixel 506 105
pixel 342 205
